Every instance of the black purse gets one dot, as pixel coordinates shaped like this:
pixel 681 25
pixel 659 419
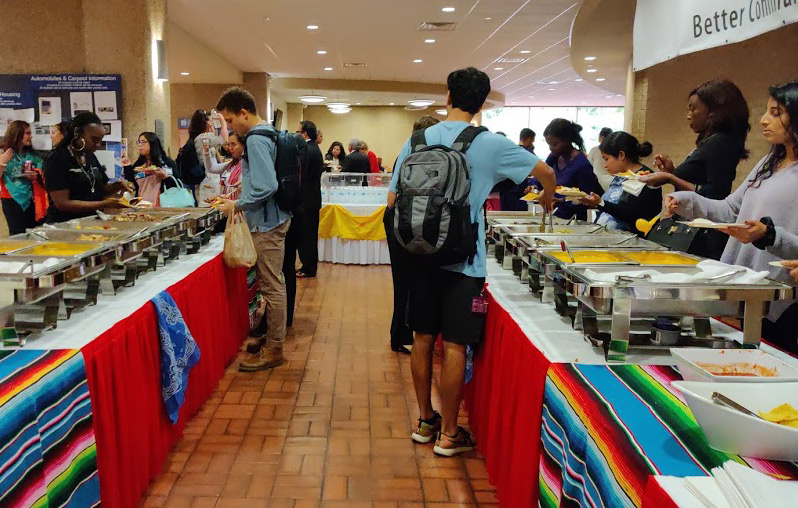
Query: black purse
pixel 702 242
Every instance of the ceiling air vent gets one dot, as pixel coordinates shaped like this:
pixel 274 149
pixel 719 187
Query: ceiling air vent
pixel 435 26
pixel 355 64
pixel 511 60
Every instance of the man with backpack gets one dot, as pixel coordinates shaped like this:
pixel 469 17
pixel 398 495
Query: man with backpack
pixel 262 190
pixel 440 183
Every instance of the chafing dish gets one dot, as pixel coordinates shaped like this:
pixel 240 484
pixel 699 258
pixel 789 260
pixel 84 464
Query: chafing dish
pixel 625 298
pixel 512 249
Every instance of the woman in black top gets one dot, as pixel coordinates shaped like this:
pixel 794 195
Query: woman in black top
pixel 718 113
pixel 75 180
pixel 152 162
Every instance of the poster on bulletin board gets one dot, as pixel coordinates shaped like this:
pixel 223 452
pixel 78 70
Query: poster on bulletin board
pixel 44 100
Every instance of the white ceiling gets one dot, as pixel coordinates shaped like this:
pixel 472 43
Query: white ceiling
pixel 271 36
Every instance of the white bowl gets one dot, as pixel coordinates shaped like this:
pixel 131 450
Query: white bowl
pixel 686 360
pixel 735 432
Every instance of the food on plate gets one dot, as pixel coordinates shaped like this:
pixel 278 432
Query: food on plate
pixel 570 191
pixel 104 227
pixel 633 175
pixel 532 196
pixel 743 369
pixel 11 245
pixel 784 414
pixel 58 249
pixel 135 217
pixel 587 257
pixel 660 258
pixel 92 238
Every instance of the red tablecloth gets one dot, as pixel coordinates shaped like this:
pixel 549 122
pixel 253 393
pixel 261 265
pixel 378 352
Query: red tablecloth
pixel 134 435
pixel 504 401
pixel 656 497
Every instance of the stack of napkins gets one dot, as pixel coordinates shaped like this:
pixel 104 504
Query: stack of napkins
pixel 14 267
pixel 633 187
pixel 737 486
pixel 707 269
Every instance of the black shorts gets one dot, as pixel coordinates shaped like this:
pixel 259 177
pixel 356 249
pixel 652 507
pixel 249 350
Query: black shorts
pixel 440 302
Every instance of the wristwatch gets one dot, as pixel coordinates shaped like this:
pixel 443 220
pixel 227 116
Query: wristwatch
pixel 770 235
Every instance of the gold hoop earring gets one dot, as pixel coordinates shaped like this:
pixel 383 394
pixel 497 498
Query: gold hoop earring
pixel 82 146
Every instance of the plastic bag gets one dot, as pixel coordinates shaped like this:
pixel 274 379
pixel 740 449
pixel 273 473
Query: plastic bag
pixel 239 249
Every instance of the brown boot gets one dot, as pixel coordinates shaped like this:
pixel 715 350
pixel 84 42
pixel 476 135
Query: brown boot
pixel 268 358
pixel 253 345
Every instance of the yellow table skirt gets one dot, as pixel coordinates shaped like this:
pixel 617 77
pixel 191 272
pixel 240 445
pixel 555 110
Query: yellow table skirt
pixel 337 221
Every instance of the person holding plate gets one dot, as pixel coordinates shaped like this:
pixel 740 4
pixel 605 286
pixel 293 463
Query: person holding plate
pixel 765 209
pixel 150 171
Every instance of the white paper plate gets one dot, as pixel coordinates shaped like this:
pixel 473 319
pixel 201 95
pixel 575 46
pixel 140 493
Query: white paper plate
pixel 777 264
pixel 710 225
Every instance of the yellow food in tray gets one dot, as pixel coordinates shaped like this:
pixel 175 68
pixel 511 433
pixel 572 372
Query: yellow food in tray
pixel 7 246
pixel 660 258
pixel 58 249
pixel 590 257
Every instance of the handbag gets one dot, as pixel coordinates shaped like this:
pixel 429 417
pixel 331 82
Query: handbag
pixel 239 248
pixel 176 197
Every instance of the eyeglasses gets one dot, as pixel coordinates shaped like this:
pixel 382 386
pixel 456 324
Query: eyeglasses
pixel 140 142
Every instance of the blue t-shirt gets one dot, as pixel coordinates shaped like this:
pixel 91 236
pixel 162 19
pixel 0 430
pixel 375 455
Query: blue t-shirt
pixel 491 159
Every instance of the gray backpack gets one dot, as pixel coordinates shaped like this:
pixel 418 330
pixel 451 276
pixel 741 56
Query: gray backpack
pixel 433 215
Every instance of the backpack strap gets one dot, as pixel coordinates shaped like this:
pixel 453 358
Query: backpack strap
pixel 418 141
pixel 464 140
pixel 273 135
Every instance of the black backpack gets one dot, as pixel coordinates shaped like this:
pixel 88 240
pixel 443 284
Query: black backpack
pixel 291 155
pixel 433 214
pixel 191 171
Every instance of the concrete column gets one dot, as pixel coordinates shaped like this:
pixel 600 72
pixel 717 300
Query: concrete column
pixel 257 83
pixel 294 115
pixel 129 49
pixel 628 110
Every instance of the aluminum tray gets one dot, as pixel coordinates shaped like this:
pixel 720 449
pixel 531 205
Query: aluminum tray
pixel 512 250
pixel 130 244
pixel 625 300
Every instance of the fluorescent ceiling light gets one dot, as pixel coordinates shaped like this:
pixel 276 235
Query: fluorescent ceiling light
pixel 185 73
pixel 429 41
pixel 592 70
pixel 442 112
pixel 421 103
pixel 448 9
pixel 601 79
pixel 590 58
pixel 418 60
pixel 312 99
pixel 321 52
pixel 313 27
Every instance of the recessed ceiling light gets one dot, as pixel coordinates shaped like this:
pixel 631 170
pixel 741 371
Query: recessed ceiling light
pixel 609 96
pixel 321 52
pixel 341 111
pixel 552 89
pixel 429 41
pixel 328 68
pixel 312 98
pixel 442 112
pixel 488 19
pixel 418 103
pixel 418 60
pixel 525 52
pixel 392 104
pixel 267 19
pixel 357 104
pixel 185 73
pixel 601 79
pixel 313 27
pixel 553 82
pixel 579 79
pixel 498 68
pixel 338 105
pixel 590 58
pixel 448 9
pixel 592 70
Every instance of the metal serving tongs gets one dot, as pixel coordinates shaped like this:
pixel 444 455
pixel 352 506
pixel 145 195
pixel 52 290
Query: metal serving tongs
pixel 624 241
pixel 565 248
pixel 542 227
pixel 723 277
pixel 722 400
pixel 631 279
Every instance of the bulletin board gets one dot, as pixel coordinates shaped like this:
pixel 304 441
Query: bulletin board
pixel 47 99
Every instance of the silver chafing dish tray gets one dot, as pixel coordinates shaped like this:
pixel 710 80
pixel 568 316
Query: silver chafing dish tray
pixel 129 244
pixel 606 291
pixel 509 233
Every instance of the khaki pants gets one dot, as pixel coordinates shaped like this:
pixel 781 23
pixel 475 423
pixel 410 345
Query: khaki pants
pixel 271 251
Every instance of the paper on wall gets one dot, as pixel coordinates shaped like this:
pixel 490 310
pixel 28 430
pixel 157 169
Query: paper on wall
pixel 107 159
pixel 113 130
pixel 80 102
pixel 41 137
pixel 49 110
pixel 26 115
pixel 105 105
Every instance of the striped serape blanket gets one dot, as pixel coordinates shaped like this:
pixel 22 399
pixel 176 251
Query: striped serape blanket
pixel 48 456
pixel 607 429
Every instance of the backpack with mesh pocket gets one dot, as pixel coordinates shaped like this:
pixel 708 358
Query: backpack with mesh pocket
pixel 433 214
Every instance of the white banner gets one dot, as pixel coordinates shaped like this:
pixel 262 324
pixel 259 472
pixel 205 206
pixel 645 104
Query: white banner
pixel 665 29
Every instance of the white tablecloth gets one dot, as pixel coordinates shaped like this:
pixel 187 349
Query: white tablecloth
pixel 553 334
pixel 88 323
pixel 355 252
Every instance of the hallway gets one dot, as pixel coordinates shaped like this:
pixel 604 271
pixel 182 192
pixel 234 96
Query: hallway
pixel 329 428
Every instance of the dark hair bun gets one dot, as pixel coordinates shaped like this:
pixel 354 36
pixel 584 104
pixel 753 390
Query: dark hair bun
pixel 644 149
pixel 577 127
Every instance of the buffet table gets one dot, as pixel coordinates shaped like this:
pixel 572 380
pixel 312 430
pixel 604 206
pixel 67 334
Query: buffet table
pixel 119 340
pixel 353 234
pixel 528 347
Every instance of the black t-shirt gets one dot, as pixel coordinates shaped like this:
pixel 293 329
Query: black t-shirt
pixel 712 166
pixel 356 162
pixel 62 171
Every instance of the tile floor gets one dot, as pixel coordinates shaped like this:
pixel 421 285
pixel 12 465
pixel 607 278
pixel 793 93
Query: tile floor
pixel 330 428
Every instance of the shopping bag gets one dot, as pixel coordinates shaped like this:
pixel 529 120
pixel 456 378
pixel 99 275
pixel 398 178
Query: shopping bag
pixel 176 197
pixel 239 249
pixel 150 188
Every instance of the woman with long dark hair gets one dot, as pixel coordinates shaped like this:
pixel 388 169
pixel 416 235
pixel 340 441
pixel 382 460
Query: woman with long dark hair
pixel 19 173
pixel 151 169
pixel 718 113
pixel 766 204
pixel 620 209
pixel 74 178
pixel 570 164
pixel 335 156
